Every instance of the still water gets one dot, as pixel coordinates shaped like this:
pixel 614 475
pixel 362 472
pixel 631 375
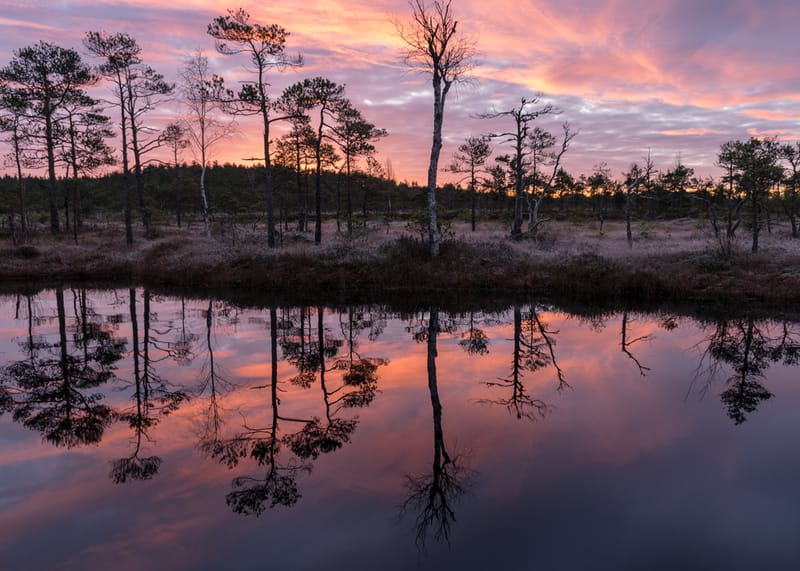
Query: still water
pixel 149 432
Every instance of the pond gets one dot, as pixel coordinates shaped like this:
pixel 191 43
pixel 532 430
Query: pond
pixel 147 431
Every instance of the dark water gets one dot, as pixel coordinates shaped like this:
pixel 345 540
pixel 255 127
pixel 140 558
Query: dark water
pixel 143 432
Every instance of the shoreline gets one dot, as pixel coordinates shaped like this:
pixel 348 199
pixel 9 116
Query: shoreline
pixel 481 269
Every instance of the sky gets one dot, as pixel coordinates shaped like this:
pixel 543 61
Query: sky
pixel 672 78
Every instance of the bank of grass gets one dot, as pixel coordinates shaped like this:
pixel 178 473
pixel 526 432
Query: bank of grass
pixel 672 263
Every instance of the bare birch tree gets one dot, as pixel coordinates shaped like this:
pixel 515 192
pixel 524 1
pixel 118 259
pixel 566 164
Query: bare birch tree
pixel 433 46
pixel 204 94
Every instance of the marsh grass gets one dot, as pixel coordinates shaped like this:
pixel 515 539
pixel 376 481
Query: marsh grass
pixel 671 261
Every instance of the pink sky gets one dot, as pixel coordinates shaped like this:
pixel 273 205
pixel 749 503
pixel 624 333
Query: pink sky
pixel 675 77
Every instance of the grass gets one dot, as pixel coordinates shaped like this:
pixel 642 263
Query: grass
pixel 674 263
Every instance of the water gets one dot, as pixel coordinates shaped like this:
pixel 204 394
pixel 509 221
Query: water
pixel 141 431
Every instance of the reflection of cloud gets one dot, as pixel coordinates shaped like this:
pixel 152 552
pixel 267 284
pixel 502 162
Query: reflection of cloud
pixel 629 76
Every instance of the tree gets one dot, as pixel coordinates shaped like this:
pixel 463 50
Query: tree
pixel 47 77
pixel 120 53
pixel 145 89
pixel 139 89
pixel 354 136
pixel 174 137
pixel 600 184
pixel 433 46
pixel 295 150
pixel 204 95
pixel 12 121
pixel 83 148
pixel 633 180
pixel 266 46
pixel 470 159
pixel 791 154
pixel 519 163
pixel 327 99
pixel 543 185
pixel 753 166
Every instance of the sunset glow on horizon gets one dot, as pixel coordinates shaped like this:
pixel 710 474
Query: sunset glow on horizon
pixel 671 78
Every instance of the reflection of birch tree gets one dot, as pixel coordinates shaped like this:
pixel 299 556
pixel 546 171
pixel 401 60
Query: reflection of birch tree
pixel 533 350
pixel 212 382
pixel 49 391
pixel 433 495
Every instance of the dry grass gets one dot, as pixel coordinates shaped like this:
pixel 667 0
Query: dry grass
pixel 671 262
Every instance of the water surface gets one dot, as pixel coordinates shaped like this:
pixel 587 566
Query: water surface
pixel 140 431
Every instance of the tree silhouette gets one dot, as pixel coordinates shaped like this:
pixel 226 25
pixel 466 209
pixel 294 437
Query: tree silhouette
pixel 266 47
pixel 47 77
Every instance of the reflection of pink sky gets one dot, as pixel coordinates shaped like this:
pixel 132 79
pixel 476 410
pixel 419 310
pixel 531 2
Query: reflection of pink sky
pixel 675 77
pixel 609 416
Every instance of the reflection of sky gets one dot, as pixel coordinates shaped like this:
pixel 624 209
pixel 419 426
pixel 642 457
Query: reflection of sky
pixel 674 77
pixel 625 472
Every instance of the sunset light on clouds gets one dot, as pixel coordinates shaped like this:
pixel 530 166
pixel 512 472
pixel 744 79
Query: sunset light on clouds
pixel 672 77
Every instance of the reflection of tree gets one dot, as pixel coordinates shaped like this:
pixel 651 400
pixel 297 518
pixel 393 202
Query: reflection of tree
pixel 285 452
pixel 626 343
pixel 533 350
pixel 296 344
pixel 748 350
pixel 51 394
pixel 474 341
pixel 357 387
pixel 278 486
pixel 180 348
pixel 434 495
pixel 213 382
pixel 153 397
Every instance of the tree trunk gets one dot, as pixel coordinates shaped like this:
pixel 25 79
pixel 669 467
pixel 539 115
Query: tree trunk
pixel 206 219
pixel 51 169
pixel 628 233
pixel 755 222
pixel 439 96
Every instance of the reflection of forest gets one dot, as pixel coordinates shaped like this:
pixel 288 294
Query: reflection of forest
pixel 85 367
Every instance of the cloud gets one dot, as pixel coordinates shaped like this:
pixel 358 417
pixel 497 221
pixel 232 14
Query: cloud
pixel 678 77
